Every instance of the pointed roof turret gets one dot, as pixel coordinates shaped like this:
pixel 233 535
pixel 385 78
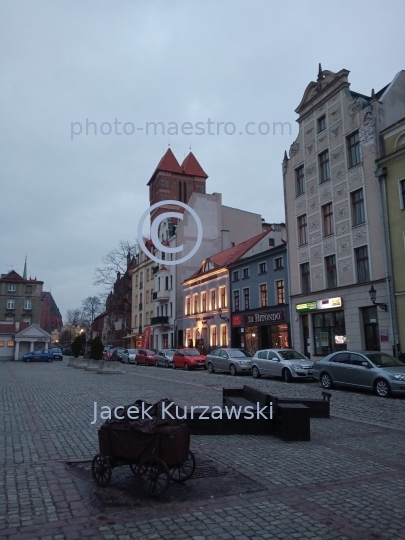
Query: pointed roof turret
pixel 321 76
pixel 168 163
pixel 191 166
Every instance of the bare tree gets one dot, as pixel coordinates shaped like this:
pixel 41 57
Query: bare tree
pixel 115 261
pixel 91 307
pixel 75 316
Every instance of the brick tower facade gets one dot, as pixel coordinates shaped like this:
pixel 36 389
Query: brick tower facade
pixel 172 181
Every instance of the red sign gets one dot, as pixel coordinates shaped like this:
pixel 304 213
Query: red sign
pixel 236 320
pixel 145 337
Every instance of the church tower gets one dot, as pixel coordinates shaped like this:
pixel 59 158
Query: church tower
pixel 172 181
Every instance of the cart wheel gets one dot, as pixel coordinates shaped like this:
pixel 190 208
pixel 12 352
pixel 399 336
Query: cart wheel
pixel 133 467
pixel 186 469
pixel 153 476
pixel 101 470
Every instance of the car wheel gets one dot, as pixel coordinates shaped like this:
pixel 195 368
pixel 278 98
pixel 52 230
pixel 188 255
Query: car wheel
pixel 28 359
pixel 49 359
pixel 287 375
pixel 174 365
pixel 382 388
pixel 256 372
pixel 136 362
pixel 326 380
pixel 156 363
pixel 166 364
pixel 210 368
pixel 232 369
pixel 186 366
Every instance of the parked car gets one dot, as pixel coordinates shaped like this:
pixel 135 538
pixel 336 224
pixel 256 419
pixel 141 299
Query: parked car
pixel 128 356
pixel 145 356
pixel 57 353
pixel 188 359
pixel 39 355
pixel 67 351
pixel 107 353
pixel 164 357
pixel 285 363
pixel 372 370
pixel 120 351
pixel 233 360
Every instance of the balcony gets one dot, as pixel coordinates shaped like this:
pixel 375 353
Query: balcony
pixel 159 320
pixel 160 296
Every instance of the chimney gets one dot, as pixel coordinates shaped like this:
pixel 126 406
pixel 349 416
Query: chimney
pixel 225 242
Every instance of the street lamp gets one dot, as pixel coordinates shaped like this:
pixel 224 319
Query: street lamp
pixel 220 315
pixel 373 294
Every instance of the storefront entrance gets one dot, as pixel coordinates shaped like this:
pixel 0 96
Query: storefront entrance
pixel 329 332
pixel 371 332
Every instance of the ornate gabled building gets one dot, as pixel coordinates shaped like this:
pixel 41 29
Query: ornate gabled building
pixel 336 237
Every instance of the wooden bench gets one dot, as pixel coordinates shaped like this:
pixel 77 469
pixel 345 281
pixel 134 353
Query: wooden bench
pixel 227 426
pixel 293 422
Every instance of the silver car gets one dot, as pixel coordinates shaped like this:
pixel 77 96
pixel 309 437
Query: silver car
pixel 164 357
pixel 128 356
pixel 373 370
pixel 285 363
pixel 232 360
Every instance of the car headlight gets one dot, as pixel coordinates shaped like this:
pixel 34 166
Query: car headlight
pixel 242 363
pixel 399 377
pixel 295 366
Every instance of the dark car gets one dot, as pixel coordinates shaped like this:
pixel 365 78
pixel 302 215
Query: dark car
pixel 372 370
pixel 145 356
pixel 57 353
pixel 39 355
pixel 188 359
pixel 67 351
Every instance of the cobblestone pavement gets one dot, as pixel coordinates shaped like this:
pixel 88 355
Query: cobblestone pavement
pixel 347 483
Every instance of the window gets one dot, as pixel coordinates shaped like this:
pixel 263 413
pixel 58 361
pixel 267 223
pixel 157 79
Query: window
pixel 213 300
pixel 213 336
pixel 1 343
pixel 353 149
pixel 28 289
pixel 278 263
pixel 263 295
pixel 331 274
pixel 224 335
pixel 171 282
pixel 280 291
pixel 358 213
pixel 305 278
pixel 236 305
pixel 271 242
pixel 147 274
pixel 223 297
pixel 321 123
pixel 188 305
pixel 10 343
pixel 10 304
pixel 327 218
pixel 235 275
pixel 12 288
pixel 245 273
pixel 171 309
pixel 246 298
pixel 324 166
pixel 299 181
pixel 147 297
pixel 363 269
pixel 196 303
pixel 262 268
pixel 402 194
pixel 166 283
pixel 27 304
pixel 302 230
pixel 203 302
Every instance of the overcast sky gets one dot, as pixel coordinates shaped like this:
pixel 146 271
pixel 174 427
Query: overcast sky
pixel 69 202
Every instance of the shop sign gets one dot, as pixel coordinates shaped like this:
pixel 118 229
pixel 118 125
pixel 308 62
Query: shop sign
pixel 326 303
pixel 265 317
pixel 236 320
pixel 383 334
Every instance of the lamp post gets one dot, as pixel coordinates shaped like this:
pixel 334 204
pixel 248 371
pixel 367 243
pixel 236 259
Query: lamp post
pixel 373 294
pixel 226 319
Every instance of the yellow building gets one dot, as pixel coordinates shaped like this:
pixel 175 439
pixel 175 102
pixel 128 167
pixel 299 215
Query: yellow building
pixel 391 172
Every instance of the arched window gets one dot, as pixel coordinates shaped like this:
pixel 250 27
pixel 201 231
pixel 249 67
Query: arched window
pixel 401 140
pixel 180 198
pixel 184 192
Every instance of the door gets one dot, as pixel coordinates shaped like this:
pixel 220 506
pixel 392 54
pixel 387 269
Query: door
pixel 339 368
pixel 305 335
pixel 360 375
pixel 274 364
pixel 224 360
pixel 262 362
pixel 371 332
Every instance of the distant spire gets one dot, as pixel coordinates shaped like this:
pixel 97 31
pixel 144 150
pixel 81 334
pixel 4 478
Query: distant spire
pixel 320 73
pixel 285 155
pixel 373 94
pixel 25 268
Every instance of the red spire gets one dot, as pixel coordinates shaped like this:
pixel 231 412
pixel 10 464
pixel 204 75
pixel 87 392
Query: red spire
pixel 168 163
pixel 191 166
